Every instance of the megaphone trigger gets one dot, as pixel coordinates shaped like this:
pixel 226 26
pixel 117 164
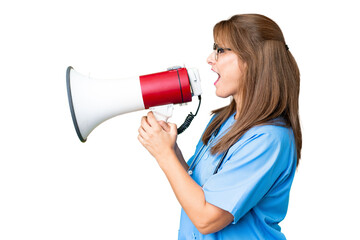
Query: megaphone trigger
pixel 163 113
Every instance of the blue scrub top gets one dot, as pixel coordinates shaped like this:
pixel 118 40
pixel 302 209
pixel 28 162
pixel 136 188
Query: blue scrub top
pixel 253 182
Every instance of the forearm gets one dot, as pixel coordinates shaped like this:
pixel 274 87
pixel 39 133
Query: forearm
pixel 189 194
pixel 181 157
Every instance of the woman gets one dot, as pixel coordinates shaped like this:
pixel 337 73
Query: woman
pixel 237 184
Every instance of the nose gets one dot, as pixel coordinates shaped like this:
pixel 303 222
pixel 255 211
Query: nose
pixel 211 59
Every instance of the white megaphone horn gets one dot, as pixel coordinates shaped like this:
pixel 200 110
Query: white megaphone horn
pixel 93 101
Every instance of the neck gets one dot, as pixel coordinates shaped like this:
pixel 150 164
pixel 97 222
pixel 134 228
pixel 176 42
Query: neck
pixel 238 108
pixel 236 116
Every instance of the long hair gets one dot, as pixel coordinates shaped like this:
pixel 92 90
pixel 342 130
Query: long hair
pixel 271 80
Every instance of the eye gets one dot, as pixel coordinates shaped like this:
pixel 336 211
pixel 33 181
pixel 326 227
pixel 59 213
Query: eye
pixel 220 50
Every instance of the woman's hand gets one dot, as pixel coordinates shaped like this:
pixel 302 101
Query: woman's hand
pixel 157 137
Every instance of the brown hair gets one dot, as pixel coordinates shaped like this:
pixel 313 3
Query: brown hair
pixel 271 81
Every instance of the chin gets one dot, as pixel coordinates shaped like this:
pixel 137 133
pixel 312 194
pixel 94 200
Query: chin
pixel 221 95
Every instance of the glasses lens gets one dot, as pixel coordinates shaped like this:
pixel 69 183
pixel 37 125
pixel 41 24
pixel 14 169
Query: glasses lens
pixel 215 50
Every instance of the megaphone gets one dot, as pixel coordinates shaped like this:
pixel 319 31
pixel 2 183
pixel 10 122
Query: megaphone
pixel 93 101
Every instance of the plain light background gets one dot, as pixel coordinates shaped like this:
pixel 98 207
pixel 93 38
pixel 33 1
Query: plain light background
pixel 54 187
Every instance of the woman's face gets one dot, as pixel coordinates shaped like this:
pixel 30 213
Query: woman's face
pixel 229 68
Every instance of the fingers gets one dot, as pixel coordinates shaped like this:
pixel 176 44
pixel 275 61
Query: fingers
pixel 165 126
pixel 145 124
pixel 157 137
pixel 142 132
pixel 173 128
pixel 152 120
pixel 141 140
pixel 150 126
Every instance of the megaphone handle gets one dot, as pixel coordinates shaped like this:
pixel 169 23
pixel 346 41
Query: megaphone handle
pixel 163 113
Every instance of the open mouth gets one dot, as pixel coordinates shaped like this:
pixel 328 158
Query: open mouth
pixel 218 78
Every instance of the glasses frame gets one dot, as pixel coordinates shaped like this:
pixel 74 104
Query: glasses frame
pixel 219 50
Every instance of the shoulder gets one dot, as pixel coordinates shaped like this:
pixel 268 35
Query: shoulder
pixel 267 143
pixel 277 133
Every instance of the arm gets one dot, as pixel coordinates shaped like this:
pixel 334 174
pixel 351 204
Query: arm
pixel 206 217
pixel 181 157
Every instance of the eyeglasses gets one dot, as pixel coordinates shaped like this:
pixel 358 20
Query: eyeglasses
pixel 218 50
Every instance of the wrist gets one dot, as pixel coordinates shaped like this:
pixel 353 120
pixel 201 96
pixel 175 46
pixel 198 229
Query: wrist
pixel 167 159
